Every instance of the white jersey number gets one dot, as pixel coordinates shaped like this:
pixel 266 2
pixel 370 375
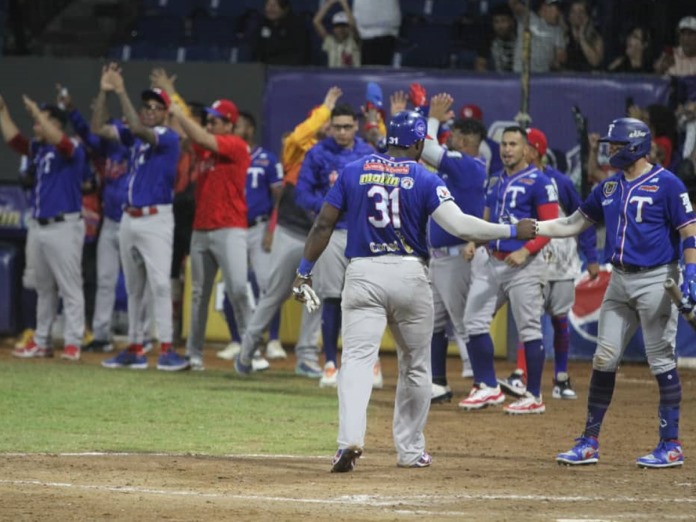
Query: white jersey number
pixel 387 204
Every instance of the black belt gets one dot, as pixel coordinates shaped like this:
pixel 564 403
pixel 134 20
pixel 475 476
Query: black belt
pixel 633 269
pixel 257 220
pixel 60 218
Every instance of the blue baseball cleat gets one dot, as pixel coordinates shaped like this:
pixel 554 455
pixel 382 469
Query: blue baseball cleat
pixel 424 461
pixel 668 454
pixel 240 367
pixel 126 359
pixel 171 361
pixel 586 451
pixel 344 460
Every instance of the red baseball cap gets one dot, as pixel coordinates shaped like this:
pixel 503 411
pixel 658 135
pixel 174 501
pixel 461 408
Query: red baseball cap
pixel 224 109
pixel 471 111
pixel 537 139
pixel 156 94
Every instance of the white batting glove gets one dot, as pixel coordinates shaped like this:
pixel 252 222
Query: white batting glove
pixel 308 296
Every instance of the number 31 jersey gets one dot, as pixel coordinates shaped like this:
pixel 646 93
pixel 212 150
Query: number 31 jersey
pixel 386 202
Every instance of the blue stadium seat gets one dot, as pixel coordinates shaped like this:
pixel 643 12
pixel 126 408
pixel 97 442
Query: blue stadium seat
pixel 413 7
pixel 228 8
pixel 213 30
pixel 427 45
pixel 445 11
pixel 145 50
pixel 163 29
pixel 179 8
pixel 207 53
pixel 305 6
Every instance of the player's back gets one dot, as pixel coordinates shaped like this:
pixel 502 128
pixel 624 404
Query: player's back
pixel 386 202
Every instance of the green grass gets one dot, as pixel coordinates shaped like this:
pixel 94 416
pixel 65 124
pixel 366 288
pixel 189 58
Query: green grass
pixel 52 406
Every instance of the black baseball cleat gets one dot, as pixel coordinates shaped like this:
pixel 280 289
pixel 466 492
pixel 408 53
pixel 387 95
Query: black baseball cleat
pixel 514 385
pixel 440 394
pixel 344 460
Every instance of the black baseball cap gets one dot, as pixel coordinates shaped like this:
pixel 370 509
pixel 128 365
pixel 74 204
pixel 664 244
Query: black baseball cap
pixel 55 112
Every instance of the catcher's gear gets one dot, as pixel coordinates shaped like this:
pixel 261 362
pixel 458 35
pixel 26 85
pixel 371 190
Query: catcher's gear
pixel 407 128
pixel 306 294
pixel 636 137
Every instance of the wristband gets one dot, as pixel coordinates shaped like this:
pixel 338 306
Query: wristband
pixel 371 125
pixel 305 269
pixel 513 231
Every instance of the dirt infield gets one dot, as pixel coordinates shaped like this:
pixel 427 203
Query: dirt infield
pixel 487 466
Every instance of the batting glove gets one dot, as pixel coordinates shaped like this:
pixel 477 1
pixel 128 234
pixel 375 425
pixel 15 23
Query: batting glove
pixel 308 296
pixel 688 287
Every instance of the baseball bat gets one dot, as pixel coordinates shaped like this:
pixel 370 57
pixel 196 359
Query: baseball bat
pixel 523 118
pixel 676 296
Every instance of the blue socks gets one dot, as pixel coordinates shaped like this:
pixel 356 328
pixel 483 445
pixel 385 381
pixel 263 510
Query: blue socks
pixel 535 357
pixel 481 352
pixel 331 327
pixel 438 357
pixel 561 342
pixel 231 322
pixel 274 327
pixel 598 400
pixel 670 400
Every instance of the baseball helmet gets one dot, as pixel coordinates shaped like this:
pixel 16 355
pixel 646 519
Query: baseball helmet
pixel 636 137
pixel 407 128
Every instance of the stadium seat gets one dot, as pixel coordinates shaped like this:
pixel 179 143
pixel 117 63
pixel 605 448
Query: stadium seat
pixel 227 8
pixel 145 50
pixel 180 8
pixel 161 29
pixel 427 45
pixel 413 7
pixel 217 30
pixel 207 53
pixel 444 11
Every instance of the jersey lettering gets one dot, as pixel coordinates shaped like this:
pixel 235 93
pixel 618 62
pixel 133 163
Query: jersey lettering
pixel 640 200
pixel 686 202
pixel 255 172
pixel 387 204
pixel 515 191
pixel 551 192
pixel 45 163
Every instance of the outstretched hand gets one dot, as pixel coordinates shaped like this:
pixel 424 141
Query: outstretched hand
pixel 332 96
pixel 440 106
pixel 111 78
pixel 160 79
pixel 30 105
pixel 398 102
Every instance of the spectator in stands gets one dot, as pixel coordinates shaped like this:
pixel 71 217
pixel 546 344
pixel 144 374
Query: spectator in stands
pixel 585 49
pixel 498 53
pixel 342 45
pixel 281 38
pixel 682 60
pixel 378 25
pixel 548 39
pixel 635 58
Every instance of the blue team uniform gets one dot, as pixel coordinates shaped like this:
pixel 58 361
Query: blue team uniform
pixel 264 172
pixel 515 197
pixel 569 201
pixel 465 178
pixel 58 179
pixel 642 217
pixel 386 203
pixel 115 157
pixel 153 168
pixel 320 170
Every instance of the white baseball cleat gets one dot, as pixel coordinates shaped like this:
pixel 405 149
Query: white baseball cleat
pixel 529 404
pixel 481 396
pixel 274 350
pixel 230 352
pixel 258 363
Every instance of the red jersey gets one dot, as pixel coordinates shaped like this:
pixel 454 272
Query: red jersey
pixel 220 200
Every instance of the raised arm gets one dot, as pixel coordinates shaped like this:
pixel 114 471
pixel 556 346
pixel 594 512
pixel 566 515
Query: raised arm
pixel 439 107
pixel 9 129
pixel 450 217
pixel 318 20
pixel 114 81
pixel 565 226
pixel 193 130
pixel 52 134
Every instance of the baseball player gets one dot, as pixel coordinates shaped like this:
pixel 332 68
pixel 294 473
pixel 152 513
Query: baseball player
pixel 647 213
pixel 57 238
pixel 291 230
pixel 264 183
pixel 563 266
pixel 489 149
pixel 512 273
pixel 387 199
pixel 112 161
pixel 451 259
pixel 220 225
pixel 320 169
pixel 147 225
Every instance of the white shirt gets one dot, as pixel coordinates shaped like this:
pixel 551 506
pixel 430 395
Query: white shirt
pixel 376 18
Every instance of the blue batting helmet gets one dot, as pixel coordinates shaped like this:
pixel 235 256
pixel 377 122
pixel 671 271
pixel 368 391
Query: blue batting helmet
pixel 636 137
pixel 407 128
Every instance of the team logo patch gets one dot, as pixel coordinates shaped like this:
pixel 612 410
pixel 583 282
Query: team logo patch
pixel 527 181
pixel 609 188
pixel 407 183
pixel 649 188
pixel 333 176
pixel 420 129
pixel 443 194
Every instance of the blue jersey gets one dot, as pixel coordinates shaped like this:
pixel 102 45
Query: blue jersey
pixel 569 201
pixel 517 196
pixel 153 167
pixel 320 169
pixel 112 161
pixel 465 178
pixel 58 179
pixel 642 217
pixel 386 203
pixel 264 172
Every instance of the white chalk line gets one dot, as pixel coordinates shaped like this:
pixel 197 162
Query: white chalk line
pixel 169 455
pixel 353 500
